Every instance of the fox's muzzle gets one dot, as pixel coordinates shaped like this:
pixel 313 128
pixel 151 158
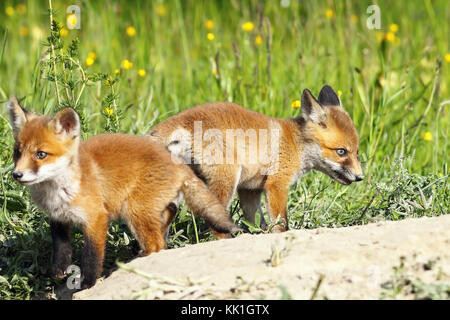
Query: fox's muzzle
pixel 25 178
pixel 17 175
pixel 346 177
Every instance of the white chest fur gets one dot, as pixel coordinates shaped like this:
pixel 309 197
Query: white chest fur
pixel 55 196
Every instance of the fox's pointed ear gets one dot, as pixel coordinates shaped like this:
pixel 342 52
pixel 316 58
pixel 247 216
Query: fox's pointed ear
pixel 66 123
pixel 327 97
pixel 311 108
pixel 18 116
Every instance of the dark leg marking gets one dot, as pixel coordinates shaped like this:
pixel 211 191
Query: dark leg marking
pixel 62 250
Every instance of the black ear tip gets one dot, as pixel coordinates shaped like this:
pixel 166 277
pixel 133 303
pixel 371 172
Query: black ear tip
pixel 306 92
pixel 328 96
pixel 327 88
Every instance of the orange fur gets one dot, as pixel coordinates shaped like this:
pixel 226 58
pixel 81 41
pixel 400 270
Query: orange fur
pixel 106 177
pixel 300 138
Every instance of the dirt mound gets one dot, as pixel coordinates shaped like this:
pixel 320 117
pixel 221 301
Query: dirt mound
pixel 361 262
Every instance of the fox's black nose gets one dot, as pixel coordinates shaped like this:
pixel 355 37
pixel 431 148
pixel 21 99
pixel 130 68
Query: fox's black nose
pixel 359 178
pixel 17 175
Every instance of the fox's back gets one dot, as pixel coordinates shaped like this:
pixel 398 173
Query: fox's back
pixel 126 158
pixel 227 118
pixel 217 115
pixel 122 151
pixel 247 140
pixel 119 165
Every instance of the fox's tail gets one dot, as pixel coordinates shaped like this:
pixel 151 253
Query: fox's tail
pixel 205 205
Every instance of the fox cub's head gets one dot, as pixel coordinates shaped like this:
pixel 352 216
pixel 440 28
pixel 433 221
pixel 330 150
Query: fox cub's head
pixel 333 135
pixel 44 146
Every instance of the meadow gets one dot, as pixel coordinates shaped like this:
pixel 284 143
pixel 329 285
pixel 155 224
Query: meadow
pixel 132 64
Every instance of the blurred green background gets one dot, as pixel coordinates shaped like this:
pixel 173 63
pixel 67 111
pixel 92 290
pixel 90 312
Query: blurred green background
pixel 167 56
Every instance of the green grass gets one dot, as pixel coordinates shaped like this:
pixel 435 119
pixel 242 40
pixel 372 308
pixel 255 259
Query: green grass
pixel 395 92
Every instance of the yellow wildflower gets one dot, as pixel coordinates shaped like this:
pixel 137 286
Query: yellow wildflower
pixel 71 20
pixel 390 36
pixel 248 26
pixel 354 18
pixel 64 32
pixel 23 31
pixel 116 72
pixel 296 104
pixel 329 13
pixel 9 11
pixel 393 27
pixel 258 40
pixel 214 72
pixel 427 136
pixel 127 65
pixel 161 10
pixel 131 31
pixel 447 57
pixel 142 73
pixel 89 61
pixel 21 9
pixel 210 36
pixel 339 93
pixel 109 111
pixel 92 55
pixel 209 24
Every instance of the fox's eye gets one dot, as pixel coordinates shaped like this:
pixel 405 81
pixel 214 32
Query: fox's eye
pixel 41 155
pixel 341 152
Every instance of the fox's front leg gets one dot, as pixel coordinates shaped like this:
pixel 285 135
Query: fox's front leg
pixel 93 250
pixel 62 250
pixel 276 195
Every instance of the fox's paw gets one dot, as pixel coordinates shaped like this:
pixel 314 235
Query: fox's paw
pixel 277 229
pixel 220 235
pixel 58 274
pixel 227 226
pixel 232 231
pixel 59 270
pixel 88 281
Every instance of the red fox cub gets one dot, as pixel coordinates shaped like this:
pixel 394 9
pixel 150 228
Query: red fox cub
pixel 323 138
pixel 106 177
